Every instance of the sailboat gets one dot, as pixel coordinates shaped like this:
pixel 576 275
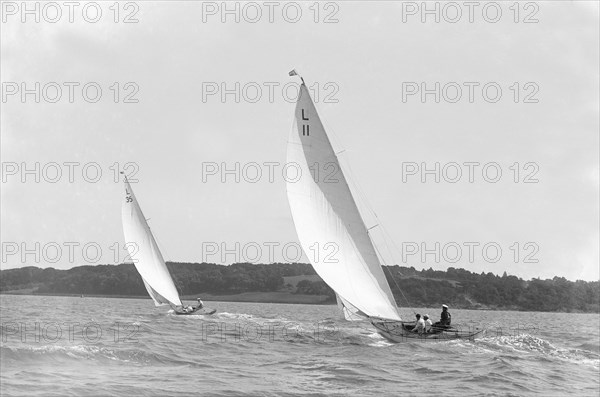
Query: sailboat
pixel 148 260
pixel 324 211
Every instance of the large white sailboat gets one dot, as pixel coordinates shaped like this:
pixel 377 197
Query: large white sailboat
pixel 324 212
pixel 148 260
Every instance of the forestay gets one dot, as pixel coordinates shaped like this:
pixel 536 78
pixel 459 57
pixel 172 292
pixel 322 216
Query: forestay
pixel 145 254
pixel 324 211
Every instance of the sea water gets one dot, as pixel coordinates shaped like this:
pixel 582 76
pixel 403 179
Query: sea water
pixel 59 346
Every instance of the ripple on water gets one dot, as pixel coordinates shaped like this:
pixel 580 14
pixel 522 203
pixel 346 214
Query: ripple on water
pixel 189 355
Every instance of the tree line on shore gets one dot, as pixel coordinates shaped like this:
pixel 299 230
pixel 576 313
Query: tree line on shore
pixel 412 288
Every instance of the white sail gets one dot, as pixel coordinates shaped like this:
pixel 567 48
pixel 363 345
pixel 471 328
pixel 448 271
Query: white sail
pixel 350 312
pixel 325 212
pixel 145 254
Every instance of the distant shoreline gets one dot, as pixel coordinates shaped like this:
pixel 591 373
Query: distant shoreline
pixel 278 298
pixel 298 284
pixel 253 297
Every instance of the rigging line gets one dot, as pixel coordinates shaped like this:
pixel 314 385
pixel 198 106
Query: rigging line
pixel 349 313
pixel 367 205
pixel 362 196
pixel 357 188
pixel 341 150
pixel 382 259
pixel 349 172
pixel 392 240
pixel 337 143
pixel 163 249
pixel 391 274
pixel 393 279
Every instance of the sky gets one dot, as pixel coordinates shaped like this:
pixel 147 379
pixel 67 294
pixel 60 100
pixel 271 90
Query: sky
pixel 204 99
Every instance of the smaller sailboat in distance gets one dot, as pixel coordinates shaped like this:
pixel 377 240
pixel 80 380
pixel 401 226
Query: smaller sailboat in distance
pixel 148 260
pixel 324 212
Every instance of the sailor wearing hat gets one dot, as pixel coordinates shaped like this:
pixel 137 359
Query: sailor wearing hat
pixel 445 317
pixel 428 323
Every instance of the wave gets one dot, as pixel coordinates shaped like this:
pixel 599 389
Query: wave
pixel 378 340
pixel 235 316
pixel 593 347
pixel 544 349
pixel 138 355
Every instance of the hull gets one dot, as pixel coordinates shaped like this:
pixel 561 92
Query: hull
pixel 203 311
pixel 400 331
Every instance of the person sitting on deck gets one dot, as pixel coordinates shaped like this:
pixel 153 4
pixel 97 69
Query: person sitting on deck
pixel 200 304
pixel 428 323
pixel 445 317
pixel 420 325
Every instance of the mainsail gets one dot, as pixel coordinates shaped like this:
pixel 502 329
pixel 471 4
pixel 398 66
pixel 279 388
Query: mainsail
pixel 145 254
pixel 325 213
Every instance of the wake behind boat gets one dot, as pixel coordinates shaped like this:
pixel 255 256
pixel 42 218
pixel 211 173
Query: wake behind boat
pixel 324 212
pixel 148 260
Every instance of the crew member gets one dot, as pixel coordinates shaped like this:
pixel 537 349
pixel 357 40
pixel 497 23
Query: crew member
pixel 428 323
pixel 445 317
pixel 420 325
